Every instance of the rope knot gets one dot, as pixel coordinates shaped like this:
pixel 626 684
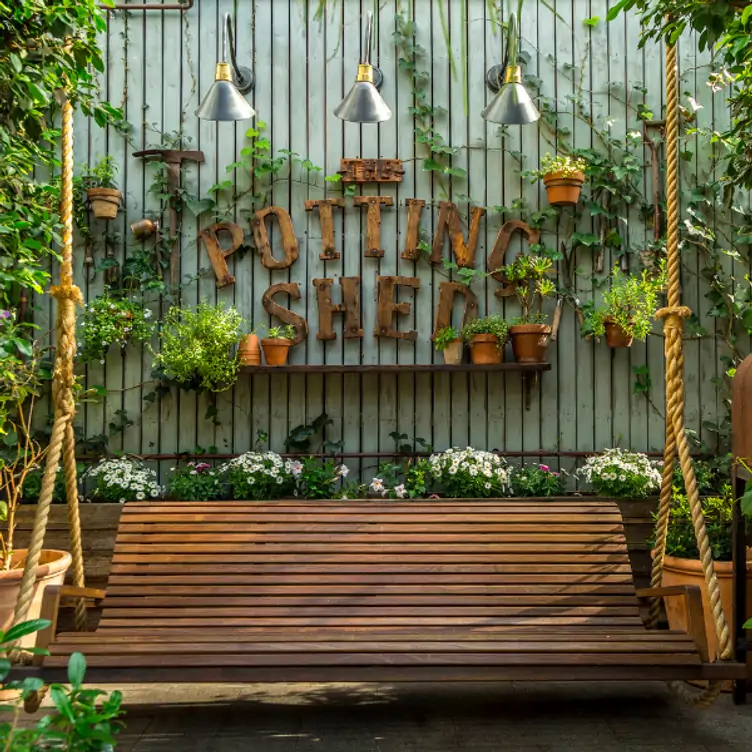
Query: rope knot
pixel 67 292
pixel 673 317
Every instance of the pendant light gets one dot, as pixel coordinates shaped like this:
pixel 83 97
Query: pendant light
pixel 225 100
pixel 363 103
pixel 512 104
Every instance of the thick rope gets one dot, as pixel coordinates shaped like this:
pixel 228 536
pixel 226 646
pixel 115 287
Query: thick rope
pixel 74 521
pixel 67 295
pixel 676 438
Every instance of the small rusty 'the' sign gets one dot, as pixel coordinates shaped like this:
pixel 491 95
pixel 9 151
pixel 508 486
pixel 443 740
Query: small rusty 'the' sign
pixel 371 170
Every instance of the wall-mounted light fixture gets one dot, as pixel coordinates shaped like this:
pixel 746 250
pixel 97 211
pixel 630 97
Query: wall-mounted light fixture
pixel 363 103
pixel 512 104
pixel 225 100
pixel 145 228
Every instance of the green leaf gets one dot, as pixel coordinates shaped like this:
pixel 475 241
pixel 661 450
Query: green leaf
pixel 592 22
pixel 198 206
pixel 62 702
pixel 16 62
pixel 76 669
pixel 25 628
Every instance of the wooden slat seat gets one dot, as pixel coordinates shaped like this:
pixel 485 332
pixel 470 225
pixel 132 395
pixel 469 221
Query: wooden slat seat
pixel 377 591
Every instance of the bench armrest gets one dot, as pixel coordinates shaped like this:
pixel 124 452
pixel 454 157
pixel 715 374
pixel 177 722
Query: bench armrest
pixel 51 608
pixel 693 609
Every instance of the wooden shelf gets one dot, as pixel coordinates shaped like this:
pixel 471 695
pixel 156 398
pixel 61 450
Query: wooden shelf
pixel 400 368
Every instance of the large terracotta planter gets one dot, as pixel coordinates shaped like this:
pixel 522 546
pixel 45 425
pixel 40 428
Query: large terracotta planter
pixel 51 571
pixel 530 342
pixel 485 350
pixel 616 336
pixel 276 350
pixel 453 353
pixel 249 351
pixel 678 571
pixel 563 191
pixel 105 202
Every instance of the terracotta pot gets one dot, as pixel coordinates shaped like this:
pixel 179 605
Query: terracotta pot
pixel 249 351
pixel 51 571
pixel 678 571
pixel 563 191
pixel 484 349
pixel 530 342
pixel 453 353
pixel 105 202
pixel 616 336
pixel 276 350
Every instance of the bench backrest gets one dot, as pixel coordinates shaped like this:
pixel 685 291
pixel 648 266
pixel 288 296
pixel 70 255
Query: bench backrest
pixel 370 564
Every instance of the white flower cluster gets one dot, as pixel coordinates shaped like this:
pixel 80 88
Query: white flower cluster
pixel 124 480
pixel 255 465
pixel 475 463
pixel 620 466
pixel 378 487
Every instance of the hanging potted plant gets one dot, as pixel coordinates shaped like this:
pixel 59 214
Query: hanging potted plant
pixel 486 338
pixel 563 177
pixel 449 342
pixel 628 308
pixel 99 183
pixel 197 347
pixel 249 350
pixel 277 345
pixel 20 456
pixel 530 335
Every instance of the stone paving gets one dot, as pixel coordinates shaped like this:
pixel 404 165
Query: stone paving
pixel 435 718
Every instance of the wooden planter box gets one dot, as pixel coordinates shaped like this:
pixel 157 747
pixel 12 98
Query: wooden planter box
pixel 99 523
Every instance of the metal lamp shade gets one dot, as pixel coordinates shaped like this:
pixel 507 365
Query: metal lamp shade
pixel 511 106
pixel 363 103
pixel 223 101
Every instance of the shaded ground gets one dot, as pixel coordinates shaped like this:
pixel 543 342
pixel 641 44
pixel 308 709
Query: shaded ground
pixel 413 718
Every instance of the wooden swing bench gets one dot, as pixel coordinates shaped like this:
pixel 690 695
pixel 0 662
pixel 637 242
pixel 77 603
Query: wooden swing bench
pixel 340 591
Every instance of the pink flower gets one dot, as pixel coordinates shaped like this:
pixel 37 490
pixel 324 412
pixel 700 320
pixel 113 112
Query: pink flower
pixel 545 468
pixel 202 466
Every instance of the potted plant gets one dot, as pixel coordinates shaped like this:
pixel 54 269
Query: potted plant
pixel 249 350
pixel 486 338
pixel 121 479
pixel 197 347
pixel 277 345
pixel 530 335
pixel 682 566
pixel 449 342
pixel 628 308
pixel 618 473
pixel 101 190
pixel 20 455
pixel 110 320
pixel 563 177
pixel 317 479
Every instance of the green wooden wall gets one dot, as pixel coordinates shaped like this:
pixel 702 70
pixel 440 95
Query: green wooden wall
pixel 160 64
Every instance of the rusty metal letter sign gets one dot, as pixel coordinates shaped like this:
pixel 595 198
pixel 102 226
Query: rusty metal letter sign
pixel 449 222
pixel 326 221
pixel 447 293
pixel 350 306
pixel 387 307
pixel 218 255
pixel 497 257
pixel 284 314
pixel 261 238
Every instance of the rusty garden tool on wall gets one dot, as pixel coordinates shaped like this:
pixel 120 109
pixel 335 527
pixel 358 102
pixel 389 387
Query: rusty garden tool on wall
pixel 173 159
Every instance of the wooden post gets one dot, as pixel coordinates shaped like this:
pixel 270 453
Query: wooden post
pixel 326 222
pixel 217 255
pixel 261 238
pixel 350 307
pixel 387 306
pixel 449 222
pixel 373 222
pixel 284 314
pixel 447 291
pixel 412 236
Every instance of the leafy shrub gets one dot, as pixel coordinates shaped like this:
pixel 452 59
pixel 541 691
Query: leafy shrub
pixel 101 175
pixel 490 325
pixel 620 473
pixel 706 475
pixel 529 275
pixel 282 332
pixel 110 320
pixel 561 163
pixel 258 476
pixel 469 473
pixel 718 511
pixel 397 482
pixel 197 347
pixel 537 480
pixel 316 479
pixel 197 481
pixel 121 480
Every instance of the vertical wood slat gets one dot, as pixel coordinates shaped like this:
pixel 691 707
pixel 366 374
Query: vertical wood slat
pixel 303 67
